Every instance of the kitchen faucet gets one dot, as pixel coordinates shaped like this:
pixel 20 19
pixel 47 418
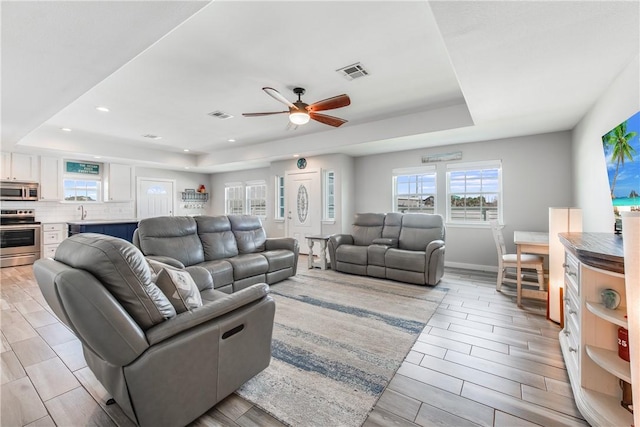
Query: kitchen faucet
pixel 83 214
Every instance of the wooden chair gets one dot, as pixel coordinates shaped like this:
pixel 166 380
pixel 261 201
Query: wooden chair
pixel 506 260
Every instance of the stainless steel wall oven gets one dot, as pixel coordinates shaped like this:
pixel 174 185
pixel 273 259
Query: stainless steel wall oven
pixel 20 236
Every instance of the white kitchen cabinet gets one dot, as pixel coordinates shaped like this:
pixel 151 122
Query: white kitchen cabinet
pixel 20 167
pixel 589 341
pixel 119 183
pixel 51 178
pixel 52 235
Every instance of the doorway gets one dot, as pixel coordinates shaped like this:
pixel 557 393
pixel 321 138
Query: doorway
pixel 303 206
pixel 155 197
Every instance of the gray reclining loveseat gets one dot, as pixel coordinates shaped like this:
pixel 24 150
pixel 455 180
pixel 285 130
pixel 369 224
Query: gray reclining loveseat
pixel 233 248
pixel 404 247
pixel 163 363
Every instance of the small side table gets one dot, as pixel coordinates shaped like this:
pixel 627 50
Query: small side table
pixel 322 239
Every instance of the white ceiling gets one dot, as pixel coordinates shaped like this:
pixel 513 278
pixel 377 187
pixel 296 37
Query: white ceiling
pixel 440 72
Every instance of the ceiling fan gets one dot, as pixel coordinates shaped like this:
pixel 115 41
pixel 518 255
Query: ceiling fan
pixel 300 112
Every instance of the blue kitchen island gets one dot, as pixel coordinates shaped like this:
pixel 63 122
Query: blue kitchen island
pixel 122 228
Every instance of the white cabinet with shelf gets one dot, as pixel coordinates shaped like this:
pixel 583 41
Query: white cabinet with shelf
pixel 52 235
pixel 589 340
pixel 119 183
pixel 51 178
pixel 20 167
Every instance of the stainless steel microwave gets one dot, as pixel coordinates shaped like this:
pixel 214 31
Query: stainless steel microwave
pixel 16 190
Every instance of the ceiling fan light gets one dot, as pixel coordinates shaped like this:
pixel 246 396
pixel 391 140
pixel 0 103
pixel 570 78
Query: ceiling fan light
pixel 299 117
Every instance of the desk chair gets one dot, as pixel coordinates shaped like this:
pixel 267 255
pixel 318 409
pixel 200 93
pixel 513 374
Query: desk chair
pixel 505 260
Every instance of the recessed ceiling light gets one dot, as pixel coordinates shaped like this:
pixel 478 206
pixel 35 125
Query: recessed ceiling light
pixel 151 136
pixel 231 140
pixel 186 150
pixel 65 129
pixel 296 155
pixel 97 157
pixel 186 167
pixel 103 109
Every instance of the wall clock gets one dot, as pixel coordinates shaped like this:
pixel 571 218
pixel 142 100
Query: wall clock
pixel 302 163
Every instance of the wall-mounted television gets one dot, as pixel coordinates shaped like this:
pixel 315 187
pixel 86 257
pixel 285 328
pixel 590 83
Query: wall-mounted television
pixel 621 146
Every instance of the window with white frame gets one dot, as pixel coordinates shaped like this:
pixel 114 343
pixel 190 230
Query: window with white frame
pixel 279 197
pixel 234 196
pixel 474 192
pixel 82 181
pixel 256 193
pixel 414 190
pixel 329 196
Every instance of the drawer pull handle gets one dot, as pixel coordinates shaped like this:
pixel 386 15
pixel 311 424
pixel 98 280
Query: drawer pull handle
pixel 573 349
pixel 567 333
pixel 572 311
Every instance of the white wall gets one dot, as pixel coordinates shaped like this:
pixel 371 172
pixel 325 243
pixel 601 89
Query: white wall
pixel 183 180
pixel 536 175
pixel 341 164
pixel 591 186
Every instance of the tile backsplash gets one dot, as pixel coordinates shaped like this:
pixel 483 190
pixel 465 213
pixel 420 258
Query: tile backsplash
pixel 48 212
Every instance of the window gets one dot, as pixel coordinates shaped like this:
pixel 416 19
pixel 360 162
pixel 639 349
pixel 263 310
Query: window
pixel 474 192
pixel 279 197
pixel 257 198
pixel 414 190
pixel 82 181
pixel 234 199
pixel 329 199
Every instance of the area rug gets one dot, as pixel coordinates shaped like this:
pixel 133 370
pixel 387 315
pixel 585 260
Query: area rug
pixel 337 341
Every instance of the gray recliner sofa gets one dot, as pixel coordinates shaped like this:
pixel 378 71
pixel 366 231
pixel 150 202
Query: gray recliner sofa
pixel 233 248
pixel 404 247
pixel 161 367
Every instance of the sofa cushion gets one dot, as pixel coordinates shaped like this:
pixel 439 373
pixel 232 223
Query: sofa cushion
pixel 179 287
pixel 248 265
pixel 409 260
pixel 218 241
pixel 279 259
pixel 123 271
pixel 175 236
pixel 420 229
pixel 366 228
pixel 352 254
pixel 250 236
pixel 392 225
pixel 221 272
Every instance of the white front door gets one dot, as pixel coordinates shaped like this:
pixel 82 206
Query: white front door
pixel 155 197
pixel 303 206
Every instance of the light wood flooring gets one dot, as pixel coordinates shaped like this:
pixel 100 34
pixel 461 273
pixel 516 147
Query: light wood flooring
pixel 479 361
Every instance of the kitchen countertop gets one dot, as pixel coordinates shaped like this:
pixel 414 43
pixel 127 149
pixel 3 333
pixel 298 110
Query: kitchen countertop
pixel 102 221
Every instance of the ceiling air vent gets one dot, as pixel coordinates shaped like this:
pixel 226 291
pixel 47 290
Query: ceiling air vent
pixel 353 71
pixel 220 114
pixel 150 136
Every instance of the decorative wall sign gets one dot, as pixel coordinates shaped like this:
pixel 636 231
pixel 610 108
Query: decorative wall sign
pixel 303 203
pixel 83 168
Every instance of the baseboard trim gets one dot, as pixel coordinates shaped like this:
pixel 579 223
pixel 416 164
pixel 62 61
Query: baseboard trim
pixel 476 267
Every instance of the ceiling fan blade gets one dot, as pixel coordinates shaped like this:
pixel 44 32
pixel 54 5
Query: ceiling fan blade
pixel 327 120
pixel 263 114
pixel 278 97
pixel 330 103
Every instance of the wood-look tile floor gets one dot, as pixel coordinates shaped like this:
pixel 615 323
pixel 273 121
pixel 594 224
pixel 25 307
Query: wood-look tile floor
pixel 479 361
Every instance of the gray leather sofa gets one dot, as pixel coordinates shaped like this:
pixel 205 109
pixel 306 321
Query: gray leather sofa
pixel 162 368
pixel 403 247
pixel 233 248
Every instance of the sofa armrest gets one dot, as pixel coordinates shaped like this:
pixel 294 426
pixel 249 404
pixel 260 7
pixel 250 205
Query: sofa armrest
pixel 273 243
pixel 341 239
pixel 207 312
pixel 392 243
pixel 432 246
pixel 166 260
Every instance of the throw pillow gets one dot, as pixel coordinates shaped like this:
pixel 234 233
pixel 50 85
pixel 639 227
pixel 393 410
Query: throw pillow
pixel 180 288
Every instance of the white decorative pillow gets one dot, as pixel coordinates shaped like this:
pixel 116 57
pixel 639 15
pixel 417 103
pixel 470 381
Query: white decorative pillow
pixel 180 288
